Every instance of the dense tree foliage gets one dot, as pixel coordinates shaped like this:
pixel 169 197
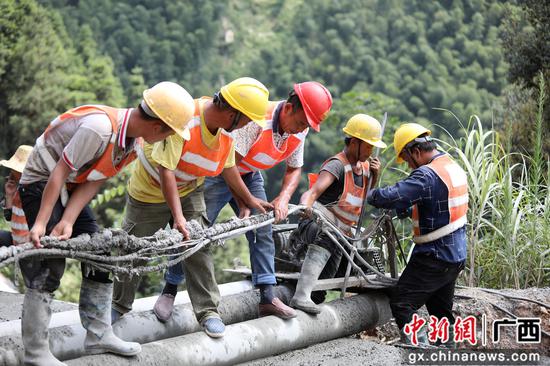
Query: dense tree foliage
pixel 174 40
pixel 526 41
pixel 424 55
pixel 43 73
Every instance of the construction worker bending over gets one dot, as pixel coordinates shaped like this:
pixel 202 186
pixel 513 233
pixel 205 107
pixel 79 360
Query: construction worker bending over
pixel 436 195
pixel 337 191
pixel 11 203
pixel 259 148
pixel 79 150
pixel 167 187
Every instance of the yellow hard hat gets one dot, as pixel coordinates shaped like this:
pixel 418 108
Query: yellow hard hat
pixel 366 128
pixel 19 159
pixel 248 96
pixel 172 104
pixel 405 134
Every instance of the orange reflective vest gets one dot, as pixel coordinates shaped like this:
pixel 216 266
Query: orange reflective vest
pixel 197 159
pixel 456 181
pixel 18 223
pixel 106 166
pixel 348 207
pixel 263 153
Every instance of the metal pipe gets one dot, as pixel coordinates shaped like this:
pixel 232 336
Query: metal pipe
pixel 260 338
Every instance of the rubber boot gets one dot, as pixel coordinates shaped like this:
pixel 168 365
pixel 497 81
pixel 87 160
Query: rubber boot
pixel 421 337
pixel 314 262
pixel 34 329
pixel 95 315
pixel 450 344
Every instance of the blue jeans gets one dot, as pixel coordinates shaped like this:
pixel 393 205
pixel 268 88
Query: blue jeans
pixel 260 241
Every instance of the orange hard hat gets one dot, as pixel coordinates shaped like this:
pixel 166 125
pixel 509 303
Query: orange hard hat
pixel 316 101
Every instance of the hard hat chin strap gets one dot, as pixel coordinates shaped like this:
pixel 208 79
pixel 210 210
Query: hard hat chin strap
pixel 220 101
pixel 408 151
pixel 235 121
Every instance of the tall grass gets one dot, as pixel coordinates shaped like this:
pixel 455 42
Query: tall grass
pixel 509 211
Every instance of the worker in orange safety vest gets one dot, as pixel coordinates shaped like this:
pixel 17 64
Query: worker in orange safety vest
pixel 77 153
pixel 435 196
pixel 166 187
pixel 258 148
pixel 337 193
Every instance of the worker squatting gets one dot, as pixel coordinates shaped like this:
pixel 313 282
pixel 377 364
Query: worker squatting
pixel 193 156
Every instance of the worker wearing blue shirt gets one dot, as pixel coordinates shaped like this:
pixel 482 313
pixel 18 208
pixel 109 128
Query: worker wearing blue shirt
pixel 435 194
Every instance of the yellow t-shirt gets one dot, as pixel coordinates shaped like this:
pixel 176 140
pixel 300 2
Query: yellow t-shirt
pixel 167 153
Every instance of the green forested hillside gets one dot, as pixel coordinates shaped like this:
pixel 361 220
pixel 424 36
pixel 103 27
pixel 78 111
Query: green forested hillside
pixel 423 54
pixel 42 72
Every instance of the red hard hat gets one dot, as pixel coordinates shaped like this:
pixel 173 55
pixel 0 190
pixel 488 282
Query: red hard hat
pixel 316 101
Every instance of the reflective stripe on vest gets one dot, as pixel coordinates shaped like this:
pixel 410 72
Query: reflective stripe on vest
pixel 18 223
pixel 348 207
pixel 456 181
pixel 197 159
pixel 153 172
pixel 104 167
pixel 263 153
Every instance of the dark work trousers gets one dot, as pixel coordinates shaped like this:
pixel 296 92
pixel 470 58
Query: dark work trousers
pixel 425 280
pixel 45 273
pixel 5 238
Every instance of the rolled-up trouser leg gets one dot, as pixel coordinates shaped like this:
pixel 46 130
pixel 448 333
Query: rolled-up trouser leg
pixel 193 208
pixel 260 240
